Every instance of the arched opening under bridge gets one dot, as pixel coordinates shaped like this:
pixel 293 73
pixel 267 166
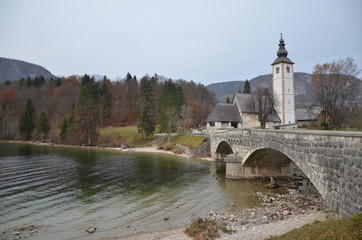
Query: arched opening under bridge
pixel 223 149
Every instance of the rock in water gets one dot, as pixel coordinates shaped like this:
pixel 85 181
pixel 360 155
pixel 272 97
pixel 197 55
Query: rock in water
pixel 272 184
pixel 166 218
pixel 91 230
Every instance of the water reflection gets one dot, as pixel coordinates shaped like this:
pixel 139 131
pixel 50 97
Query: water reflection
pixel 68 188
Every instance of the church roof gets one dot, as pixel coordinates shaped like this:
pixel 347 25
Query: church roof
pixel 224 112
pixel 282 53
pixel 242 99
pixel 307 114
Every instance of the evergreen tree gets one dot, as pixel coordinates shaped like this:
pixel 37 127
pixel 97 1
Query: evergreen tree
pixel 26 122
pixel 171 102
pixel 87 117
pixel 42 126
pixel 58 82
pixel 105 101
pixel 63 130
pixel 146 125
pixel 3 121
pixel 247 88
pixel 128 77
pixel 228 100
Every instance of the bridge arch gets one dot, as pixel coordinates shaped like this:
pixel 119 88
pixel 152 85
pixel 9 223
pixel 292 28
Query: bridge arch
pixel 331 160
pixel 279 160
pixel 223 149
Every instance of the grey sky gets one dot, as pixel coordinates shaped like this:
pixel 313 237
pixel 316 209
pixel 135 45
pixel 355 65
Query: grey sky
pixel 202 40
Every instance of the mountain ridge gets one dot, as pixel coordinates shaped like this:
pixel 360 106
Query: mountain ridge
pixel 303 94
pixel 13 69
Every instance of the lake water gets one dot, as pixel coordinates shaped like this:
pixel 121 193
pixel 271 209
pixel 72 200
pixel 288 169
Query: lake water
pixel 66 190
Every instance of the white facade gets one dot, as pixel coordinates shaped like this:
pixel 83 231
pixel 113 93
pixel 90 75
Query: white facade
pixel 283 86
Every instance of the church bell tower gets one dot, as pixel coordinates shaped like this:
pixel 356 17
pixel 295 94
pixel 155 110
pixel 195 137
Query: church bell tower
pixel 283 85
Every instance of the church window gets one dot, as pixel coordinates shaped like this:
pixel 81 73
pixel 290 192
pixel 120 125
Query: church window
pixel 277 70
pixel 288 69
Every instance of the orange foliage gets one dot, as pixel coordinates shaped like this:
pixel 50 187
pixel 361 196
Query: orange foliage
pixel 7 96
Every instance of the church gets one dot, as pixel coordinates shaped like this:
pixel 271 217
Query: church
pixel 237 114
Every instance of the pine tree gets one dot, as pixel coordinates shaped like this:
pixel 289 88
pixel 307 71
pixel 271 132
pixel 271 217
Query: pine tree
pixel 26 122
pixel 87 117
pixel 228 100
pixel 146 125
pixel 42 126
pixel 105 101
pixel 171 102
pixel 63 130
pixel 247 88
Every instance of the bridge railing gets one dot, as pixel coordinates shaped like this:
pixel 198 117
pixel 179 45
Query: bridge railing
pixel 193 134
pixel 312 132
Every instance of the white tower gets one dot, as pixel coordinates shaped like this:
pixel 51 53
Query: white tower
pixel 283 85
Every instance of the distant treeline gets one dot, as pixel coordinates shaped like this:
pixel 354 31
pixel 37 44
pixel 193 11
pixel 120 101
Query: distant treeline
pixel 84 103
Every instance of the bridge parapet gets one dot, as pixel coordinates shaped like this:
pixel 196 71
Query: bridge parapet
pixel 331 160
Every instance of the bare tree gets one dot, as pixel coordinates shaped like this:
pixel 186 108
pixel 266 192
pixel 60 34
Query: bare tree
pixel 261 102
pixel 333 83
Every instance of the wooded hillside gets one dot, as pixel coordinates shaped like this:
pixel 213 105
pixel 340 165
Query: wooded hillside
pixel 117 103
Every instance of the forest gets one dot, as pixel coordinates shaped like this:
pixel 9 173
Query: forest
pixel 71 110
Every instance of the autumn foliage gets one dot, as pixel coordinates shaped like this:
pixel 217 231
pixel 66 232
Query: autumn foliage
pixel 117 103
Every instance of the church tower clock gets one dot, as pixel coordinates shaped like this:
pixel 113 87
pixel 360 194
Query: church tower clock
pixel 283 85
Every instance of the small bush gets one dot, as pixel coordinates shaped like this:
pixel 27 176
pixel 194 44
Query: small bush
pixel 325 126
pixel 205 229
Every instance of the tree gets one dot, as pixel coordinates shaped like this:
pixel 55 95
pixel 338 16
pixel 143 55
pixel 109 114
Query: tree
pixel 262 103
pixel 42 126
pixel 26 122
pixel 106 101
pixel 228 100
pixel 171 102
pixel 131 86
pixel 87 117
pixel 63 130
pixel 332 84
pixel 146 124
pixel 247 88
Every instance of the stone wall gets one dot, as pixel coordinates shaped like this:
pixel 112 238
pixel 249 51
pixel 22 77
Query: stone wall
pixel 331 160
pixel 202 151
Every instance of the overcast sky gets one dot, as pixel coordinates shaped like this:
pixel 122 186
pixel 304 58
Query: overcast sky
pixel 202 40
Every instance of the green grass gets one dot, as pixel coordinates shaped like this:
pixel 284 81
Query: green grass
pixel 129 134
pixel 340 229
pixel 190 141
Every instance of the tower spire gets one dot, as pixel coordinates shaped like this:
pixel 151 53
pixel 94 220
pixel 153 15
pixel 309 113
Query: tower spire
pixel 282 53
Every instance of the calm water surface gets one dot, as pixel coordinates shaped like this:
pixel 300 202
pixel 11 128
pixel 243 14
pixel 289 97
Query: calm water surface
pixel 67 190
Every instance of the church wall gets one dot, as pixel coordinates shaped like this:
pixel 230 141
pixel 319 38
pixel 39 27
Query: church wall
pixel 250 120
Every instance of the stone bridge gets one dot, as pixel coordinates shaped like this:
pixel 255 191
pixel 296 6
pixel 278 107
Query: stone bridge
pixel 331 160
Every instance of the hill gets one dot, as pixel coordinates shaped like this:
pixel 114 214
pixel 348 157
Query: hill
pixel 11 69
pixel 302 89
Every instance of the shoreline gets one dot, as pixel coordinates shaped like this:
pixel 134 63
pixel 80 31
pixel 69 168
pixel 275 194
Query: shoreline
pixel 152 149
pixel 277 215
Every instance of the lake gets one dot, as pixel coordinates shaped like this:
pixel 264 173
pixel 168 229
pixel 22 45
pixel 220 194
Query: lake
pixel 65 190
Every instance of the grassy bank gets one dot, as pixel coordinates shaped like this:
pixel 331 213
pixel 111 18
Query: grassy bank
pixel 190 141
pixel 114 136
pixel 340 229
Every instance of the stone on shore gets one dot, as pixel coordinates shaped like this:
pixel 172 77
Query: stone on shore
pixel 91 230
